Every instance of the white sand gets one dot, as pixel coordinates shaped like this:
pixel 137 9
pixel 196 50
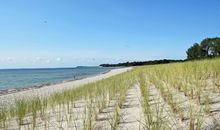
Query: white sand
pixel 131 113
pixel 50 89
pixel 132 117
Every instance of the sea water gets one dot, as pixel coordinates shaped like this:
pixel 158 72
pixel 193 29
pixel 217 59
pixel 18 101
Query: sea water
pixel 24 78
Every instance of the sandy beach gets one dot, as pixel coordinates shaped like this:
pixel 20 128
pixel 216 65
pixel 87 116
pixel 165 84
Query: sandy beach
pixel 47 90
pixel 128 102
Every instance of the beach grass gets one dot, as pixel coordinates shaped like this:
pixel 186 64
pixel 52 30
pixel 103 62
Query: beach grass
pixel 195 81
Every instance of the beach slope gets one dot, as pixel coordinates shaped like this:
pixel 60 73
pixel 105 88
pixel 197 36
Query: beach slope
pixel 47 90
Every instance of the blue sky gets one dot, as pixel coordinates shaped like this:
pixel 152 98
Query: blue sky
pixel 66 33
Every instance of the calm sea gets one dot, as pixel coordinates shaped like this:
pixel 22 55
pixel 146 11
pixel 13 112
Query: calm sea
pixel 21 78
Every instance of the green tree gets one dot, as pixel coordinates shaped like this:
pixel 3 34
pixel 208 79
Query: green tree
pixel 194 52
pixel 216 47
pixel 207 48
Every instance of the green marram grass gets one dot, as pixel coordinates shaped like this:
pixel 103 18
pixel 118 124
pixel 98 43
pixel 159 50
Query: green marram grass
pixel 196 79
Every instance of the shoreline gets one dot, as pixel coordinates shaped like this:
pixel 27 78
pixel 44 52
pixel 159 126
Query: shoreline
pixel 20 89
pixel 47 90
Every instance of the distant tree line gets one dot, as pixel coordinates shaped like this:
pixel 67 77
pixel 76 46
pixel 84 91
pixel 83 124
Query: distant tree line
pixel 152 62
pixel 208 48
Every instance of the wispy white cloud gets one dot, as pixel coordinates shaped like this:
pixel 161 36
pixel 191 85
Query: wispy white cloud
pixel 38 58
pixel 48 61
pixel 58 59
pixel 7 59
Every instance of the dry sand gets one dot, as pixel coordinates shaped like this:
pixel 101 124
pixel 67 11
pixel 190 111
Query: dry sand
pixel 50 89
pixel 131 113
pixel 131 117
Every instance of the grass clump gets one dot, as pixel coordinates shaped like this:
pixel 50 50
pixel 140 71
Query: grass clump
pixel 21 108
pixel 3 117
